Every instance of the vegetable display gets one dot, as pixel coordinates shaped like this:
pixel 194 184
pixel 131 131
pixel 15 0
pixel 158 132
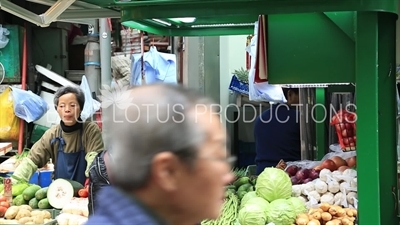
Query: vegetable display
pixel 335 188
pixel 328 215
pixel 24 214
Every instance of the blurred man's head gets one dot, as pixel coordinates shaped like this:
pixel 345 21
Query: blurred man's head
pixel 291 95
pixel 169 150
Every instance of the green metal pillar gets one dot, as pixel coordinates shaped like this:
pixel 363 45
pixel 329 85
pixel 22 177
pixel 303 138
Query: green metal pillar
pixel 376 122
pixel 321 118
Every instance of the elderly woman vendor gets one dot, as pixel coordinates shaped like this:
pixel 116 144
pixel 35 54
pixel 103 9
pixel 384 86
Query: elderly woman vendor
pixel 72 144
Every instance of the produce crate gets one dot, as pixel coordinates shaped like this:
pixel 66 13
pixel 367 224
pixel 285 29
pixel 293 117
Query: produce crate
pixel 237 86
pixel 251 170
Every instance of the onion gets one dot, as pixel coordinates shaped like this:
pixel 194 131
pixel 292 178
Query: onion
pixel 343 168
pixel 339 161
pixel 329 164
pixel 292 170
pixel 302 174
pixel 351 162
pixel 314 174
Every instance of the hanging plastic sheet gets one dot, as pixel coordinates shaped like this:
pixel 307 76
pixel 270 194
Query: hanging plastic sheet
pixel 4 32
pixel 158 67
pixel 261 91
pixel 91 105
pixel 9 122
pixel 28 105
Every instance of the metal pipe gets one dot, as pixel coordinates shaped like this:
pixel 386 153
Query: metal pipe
pixel 21 13
pixel 92 61
pixel 105 57
pixel 75 5
pixel 105 52
pixel 23 81
pixel 56 10
pixel 50 3
pixel 88 14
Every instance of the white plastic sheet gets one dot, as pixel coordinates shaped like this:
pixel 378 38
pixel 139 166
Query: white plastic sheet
pixel 91 105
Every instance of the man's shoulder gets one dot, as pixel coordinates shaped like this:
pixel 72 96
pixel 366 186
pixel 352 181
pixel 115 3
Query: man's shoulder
pixel 100 219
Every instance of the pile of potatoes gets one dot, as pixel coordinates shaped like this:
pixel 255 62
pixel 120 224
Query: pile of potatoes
pixel 24 214
pixel 327 214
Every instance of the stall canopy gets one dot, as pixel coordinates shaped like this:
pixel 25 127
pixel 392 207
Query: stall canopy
pixel 61 10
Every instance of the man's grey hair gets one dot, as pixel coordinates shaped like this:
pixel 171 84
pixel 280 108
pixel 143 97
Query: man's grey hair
pixel 80 96
pixel 164 120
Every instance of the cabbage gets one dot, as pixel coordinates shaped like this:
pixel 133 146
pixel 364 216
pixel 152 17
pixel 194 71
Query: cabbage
pixel 246 197
pixel 298 205
pixel 281 212
pixel 273 184
pixel 260 202
pixel 252 214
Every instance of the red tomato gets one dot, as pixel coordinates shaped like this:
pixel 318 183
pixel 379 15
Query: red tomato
pixel 3 199
pixel 83 193
pixel 5 204
pixel 2 211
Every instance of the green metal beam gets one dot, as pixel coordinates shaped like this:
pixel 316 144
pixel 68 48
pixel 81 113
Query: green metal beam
pixel 209 31
pixel 376 124
pixel 321 119
pixel 219 8
pixel 342 21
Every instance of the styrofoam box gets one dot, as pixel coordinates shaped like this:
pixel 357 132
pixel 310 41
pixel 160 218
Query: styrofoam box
pixel 51 117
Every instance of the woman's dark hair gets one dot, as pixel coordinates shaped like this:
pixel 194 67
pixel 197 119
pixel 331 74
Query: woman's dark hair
pixel 286 91
pixel 80 96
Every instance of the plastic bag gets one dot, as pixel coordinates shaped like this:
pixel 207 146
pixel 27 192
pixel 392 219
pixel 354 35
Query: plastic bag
pixel 77 206
pixel 3 37
pixel 345 127
pixel 9 122
pixel 91 106
pixel 308 164
pixel 261 91
pixel 28 106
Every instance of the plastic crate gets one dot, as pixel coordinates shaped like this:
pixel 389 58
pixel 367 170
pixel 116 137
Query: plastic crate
pixel 238 86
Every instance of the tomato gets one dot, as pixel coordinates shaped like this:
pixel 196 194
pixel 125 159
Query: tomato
pixel 2 211
pixel 3 199
pixel 5 204
pixel 83 193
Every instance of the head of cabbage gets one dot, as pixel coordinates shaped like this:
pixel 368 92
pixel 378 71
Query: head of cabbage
pixel 273 184
pixel 252 214
pixel 281 212
pixel 298 205
pixel 249 195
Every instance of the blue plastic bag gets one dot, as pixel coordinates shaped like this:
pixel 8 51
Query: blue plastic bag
pixel 27 105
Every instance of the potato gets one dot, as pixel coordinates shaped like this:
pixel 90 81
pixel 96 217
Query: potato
pixel 27 207
pixel 25 220
pixel 11 212
pixel 36 212
pixel 46 214
pixel 38 219
pixel 46 220
pixel 30 223
pixel 23 213
pixel 11 222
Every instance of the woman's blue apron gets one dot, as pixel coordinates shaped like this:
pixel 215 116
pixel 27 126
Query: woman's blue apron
pixel 70 166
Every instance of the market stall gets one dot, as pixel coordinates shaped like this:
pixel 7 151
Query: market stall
pixel 311 42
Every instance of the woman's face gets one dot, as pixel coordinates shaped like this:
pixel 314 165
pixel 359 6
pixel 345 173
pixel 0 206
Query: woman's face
pixel 68 109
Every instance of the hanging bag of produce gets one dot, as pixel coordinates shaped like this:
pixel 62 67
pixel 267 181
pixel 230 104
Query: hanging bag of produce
pixel 27 105
pixel 9 122
pixel 345 126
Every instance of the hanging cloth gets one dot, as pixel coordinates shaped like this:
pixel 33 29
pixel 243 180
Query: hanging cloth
pixel 261 68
